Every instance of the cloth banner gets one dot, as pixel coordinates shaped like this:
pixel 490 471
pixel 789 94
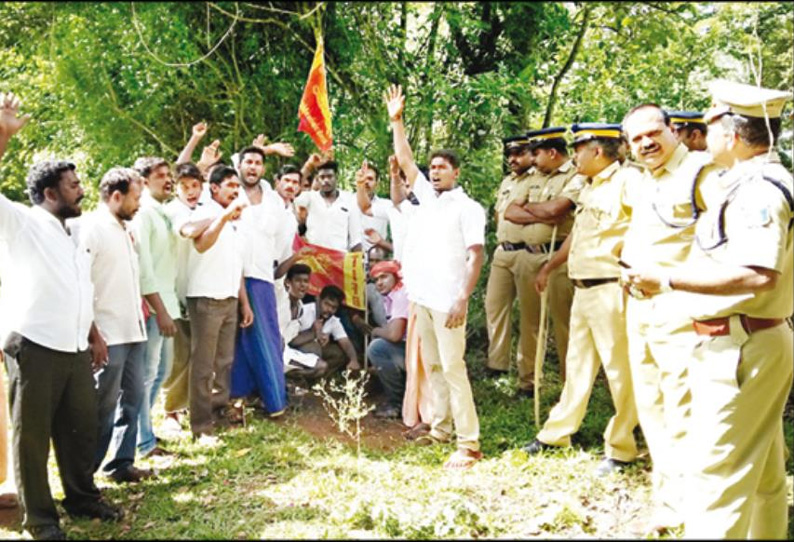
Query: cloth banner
pixel 313 113
pixel 342 269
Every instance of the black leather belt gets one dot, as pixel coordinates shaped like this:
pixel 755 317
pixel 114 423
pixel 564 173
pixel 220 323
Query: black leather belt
pixel 545 248
pixel 589 283
pixel 509 247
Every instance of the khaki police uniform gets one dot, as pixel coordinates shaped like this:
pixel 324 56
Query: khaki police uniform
pixel 741 371
pixel 598 324
pixel 511 275
pixel 660 334
pixel 536 238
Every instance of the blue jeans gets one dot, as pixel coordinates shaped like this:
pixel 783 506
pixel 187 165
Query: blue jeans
pixel 158 359
pixel 119 399
pixel 388 358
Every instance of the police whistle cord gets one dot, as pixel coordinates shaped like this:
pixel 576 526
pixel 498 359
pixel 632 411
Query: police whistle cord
pixel 540 350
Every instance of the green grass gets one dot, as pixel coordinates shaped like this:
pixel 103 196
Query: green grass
pixel 275 480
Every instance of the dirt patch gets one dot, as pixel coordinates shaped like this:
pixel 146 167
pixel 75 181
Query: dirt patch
pixel 307 412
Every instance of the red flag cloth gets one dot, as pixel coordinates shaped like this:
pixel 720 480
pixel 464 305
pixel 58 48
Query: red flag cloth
pixel 313 113
pixel 344 270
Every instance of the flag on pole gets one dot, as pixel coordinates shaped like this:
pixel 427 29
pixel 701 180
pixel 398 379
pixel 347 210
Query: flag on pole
pixel 313 113
pixel 344 270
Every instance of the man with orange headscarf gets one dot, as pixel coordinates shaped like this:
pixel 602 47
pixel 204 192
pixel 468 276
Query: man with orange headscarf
pixel 387 350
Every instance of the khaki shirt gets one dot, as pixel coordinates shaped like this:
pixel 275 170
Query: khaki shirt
pixel 756 232
pixel 563 183
pixel 601 221
pixel 506 230
pixel 662 226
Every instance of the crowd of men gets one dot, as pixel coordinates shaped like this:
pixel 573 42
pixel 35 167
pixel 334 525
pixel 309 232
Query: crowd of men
pixel 668 266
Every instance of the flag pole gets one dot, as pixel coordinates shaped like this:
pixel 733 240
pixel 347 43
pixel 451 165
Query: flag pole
pixel 540 350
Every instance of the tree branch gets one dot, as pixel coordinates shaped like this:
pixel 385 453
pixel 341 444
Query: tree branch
pixel 567 66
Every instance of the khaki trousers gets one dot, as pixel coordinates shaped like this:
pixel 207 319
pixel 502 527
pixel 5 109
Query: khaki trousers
pixel 513 275
pixel 442 354
pixel 213 327
pixel 177 384
pixel 739 387
pixel 598 337
pixel 659 359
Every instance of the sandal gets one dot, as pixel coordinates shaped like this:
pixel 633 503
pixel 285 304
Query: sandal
pixel 429 440
pixel 462 459
pixel 235 414
pixel 416 431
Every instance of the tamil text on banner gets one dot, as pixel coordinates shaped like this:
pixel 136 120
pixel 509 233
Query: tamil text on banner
pixel 313 113
pixel 342 269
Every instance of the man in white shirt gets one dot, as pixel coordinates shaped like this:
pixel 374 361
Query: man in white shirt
pixel 156 248
pixel 189 181
pixel 331 215
pixel 374 209
pixel 104 234
pixel 443 262
pixel 215 271
pixel 51 344
pixel 297 364
pixel 321 332
pixel 258 358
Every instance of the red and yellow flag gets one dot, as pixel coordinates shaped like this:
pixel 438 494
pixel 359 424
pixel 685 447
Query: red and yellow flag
pixel 313 112
pixel 344 270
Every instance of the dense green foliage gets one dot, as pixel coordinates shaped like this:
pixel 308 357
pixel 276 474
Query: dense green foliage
pixel 107 82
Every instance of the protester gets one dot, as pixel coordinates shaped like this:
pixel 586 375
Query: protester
pixel 106 235
pixel 304 365
pixel 387 349
pixel 215 282
pixel 49 354
pixel 189 181
pixel 443 262
pixel 155 244
pixel 321 333
pixel 330 214
pixel 266 225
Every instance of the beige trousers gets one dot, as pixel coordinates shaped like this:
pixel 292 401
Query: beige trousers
pixel 513 275
pixel 740 385
pixel 598 337
pixel 659 360
pixel 177 384
pixel 442 354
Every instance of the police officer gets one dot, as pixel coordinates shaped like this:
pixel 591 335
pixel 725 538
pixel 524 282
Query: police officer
pixel 740 277
pixel 598 324
pixel 539 205
pixel 511 273
pixel 664 212
pixel 689 129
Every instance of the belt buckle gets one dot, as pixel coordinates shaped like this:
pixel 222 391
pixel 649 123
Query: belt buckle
pixel 533 249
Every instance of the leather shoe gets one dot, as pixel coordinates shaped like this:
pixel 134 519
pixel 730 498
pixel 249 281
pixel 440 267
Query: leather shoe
pixel 608 466
pixel 130 475
pixel 536 447
pixel 96 510
pixel 46 532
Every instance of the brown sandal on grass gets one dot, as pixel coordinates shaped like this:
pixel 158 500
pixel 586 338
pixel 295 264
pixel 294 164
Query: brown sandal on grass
pixel 462 459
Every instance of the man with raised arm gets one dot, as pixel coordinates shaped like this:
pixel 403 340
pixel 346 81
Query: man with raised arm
pixel 443 259
pixel 52 344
